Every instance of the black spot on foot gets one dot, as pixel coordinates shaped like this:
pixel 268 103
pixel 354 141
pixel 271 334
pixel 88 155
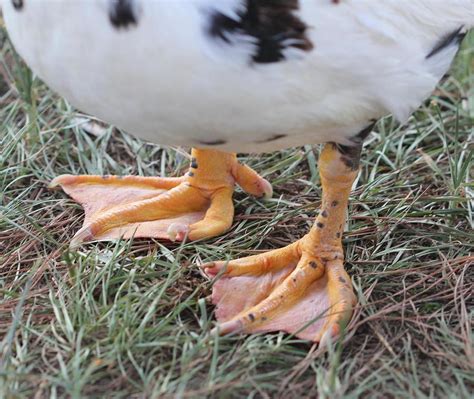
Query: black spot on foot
pixel 264 318
pixel 341 279
pixel 334 203
pixel 123 13
pixel 324 214
pixel 338 235
pixel 320 225
pixel 190 174
pixel 194 163
pixel 313 264
pixel 251 317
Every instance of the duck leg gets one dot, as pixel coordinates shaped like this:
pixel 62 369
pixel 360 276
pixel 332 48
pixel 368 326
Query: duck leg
pixel 303 288
pixel 197 205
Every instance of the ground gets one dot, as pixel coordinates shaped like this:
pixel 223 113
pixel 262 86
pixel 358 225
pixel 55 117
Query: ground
pixel 132 320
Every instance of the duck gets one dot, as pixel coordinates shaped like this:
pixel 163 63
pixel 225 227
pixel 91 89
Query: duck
pixel 234 76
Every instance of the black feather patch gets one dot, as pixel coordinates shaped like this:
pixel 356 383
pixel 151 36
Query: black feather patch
pixel 364 133
pixel 453 38
pixel 17 4
pixel 272 138
pixel 122 13
pixel 273 23
pixel 213 142
pixel 350 155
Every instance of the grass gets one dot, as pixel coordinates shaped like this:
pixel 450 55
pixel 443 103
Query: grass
pixel 132 319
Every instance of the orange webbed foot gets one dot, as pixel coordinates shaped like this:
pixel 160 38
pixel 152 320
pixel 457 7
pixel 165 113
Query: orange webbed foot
pixel 301 289
pixel 197 205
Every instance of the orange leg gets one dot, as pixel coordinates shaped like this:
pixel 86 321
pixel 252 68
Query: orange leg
pixel 197 205
pixel 303 288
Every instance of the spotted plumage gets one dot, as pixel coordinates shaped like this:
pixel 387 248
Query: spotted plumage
pixel 250 75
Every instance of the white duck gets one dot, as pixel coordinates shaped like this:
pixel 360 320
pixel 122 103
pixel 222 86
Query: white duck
pixel 232 76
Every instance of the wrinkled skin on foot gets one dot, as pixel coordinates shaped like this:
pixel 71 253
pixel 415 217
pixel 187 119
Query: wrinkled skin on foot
pixel 197 206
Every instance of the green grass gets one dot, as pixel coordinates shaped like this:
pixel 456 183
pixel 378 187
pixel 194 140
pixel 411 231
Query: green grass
pixel 132 320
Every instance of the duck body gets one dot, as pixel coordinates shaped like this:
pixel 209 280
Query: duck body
pixel 228 75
